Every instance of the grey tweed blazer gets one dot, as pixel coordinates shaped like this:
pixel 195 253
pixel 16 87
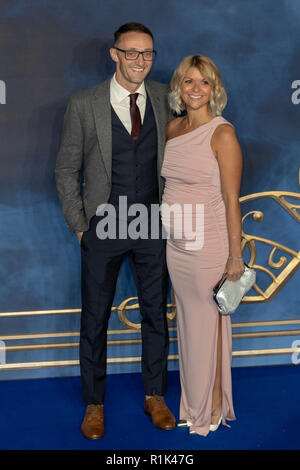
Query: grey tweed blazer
pixel 86 145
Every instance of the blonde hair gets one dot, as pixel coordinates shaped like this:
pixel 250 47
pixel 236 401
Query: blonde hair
pixel 210 72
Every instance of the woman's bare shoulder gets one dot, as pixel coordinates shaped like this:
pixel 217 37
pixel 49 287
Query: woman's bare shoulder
pixel 223 137
pixel 224 132
pixel 172 128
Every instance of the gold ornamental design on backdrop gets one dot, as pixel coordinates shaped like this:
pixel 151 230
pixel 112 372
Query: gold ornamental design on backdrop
pixel 287 265
pixel 288 260
pixel 281 265
pixel 125 307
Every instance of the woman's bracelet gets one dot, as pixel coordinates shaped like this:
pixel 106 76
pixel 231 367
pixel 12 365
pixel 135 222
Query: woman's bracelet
pixel 235 257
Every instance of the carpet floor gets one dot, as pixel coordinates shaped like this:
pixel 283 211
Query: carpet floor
pixel 47 413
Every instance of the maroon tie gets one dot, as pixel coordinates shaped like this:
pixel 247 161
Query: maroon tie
pixel 135 117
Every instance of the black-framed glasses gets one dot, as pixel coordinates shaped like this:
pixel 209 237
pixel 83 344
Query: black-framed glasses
pixel 133 55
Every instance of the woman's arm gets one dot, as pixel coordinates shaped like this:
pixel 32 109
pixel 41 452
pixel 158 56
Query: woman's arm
pixel 229 156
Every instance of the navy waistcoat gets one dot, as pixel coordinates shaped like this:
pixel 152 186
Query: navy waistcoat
pixel 134 165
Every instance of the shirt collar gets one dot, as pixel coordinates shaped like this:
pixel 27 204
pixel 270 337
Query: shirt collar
pixel 119 93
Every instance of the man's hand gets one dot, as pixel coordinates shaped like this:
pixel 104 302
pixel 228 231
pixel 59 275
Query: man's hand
pixel 79 236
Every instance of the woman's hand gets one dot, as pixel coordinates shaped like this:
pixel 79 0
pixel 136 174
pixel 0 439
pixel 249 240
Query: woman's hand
pixel 234 269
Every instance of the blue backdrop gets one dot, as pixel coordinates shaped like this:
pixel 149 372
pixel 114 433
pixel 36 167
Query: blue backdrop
pixel 50 49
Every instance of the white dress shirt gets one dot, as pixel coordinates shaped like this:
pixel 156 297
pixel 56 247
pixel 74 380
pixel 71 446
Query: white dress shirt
pixel 120 101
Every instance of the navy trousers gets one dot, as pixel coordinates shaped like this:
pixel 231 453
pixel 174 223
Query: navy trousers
pixel 101 262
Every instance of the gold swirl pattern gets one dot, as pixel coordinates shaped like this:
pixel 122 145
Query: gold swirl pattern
pixel 124 307
pixel 251 242
pixel 280 198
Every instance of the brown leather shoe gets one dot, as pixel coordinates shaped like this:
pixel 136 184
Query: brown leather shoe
pixel 92 426
pixel 161 416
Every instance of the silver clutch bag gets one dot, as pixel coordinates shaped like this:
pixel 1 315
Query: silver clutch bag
pixel 228 294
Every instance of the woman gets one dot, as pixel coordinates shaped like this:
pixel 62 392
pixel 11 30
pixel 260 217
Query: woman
pixel 202 168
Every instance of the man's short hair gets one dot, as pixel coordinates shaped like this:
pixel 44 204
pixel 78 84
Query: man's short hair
pixel 126 28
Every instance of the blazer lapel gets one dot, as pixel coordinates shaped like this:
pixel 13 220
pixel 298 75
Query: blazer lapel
pixel 159 112
pixel 102 114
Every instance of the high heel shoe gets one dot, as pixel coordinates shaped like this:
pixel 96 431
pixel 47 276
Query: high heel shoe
pixel 214 427
pixel 183 423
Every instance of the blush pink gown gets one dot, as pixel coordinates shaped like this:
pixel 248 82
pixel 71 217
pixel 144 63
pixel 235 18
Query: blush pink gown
pixel 197 251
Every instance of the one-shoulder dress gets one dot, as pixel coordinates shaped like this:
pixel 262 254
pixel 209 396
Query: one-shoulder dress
pixel 194 219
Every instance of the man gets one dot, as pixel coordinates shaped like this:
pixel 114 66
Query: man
pixel 115 133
